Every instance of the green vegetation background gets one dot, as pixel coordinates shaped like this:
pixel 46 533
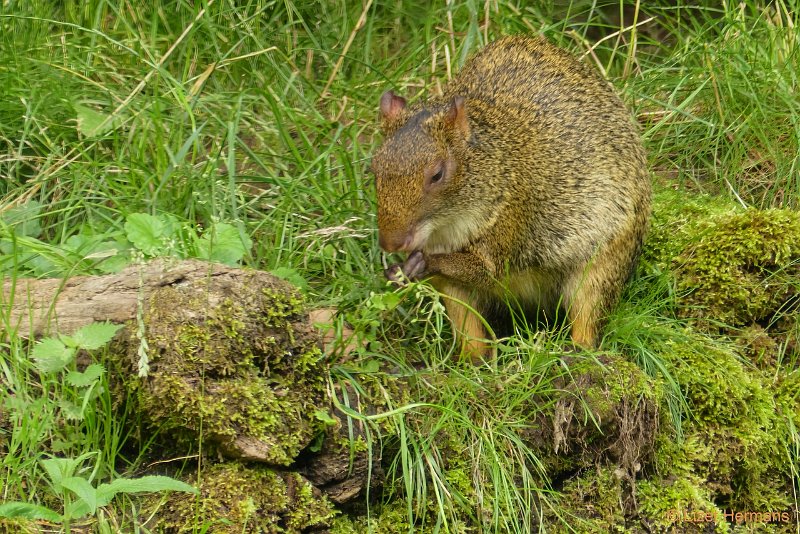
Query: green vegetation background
pixel 250 124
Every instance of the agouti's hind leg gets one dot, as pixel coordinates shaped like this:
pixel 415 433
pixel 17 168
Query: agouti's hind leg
pixel 467 325
pixel 591 292
pixel 584 310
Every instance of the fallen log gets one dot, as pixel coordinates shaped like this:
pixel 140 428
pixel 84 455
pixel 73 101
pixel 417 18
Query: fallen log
pixel 232 360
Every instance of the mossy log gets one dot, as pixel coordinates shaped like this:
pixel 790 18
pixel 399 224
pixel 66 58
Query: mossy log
pixel 214 359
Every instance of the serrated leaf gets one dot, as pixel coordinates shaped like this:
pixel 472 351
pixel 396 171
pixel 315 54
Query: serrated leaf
pixel 91 122
pixel 95 335
pixel 51 355
pixel 70 411
pixel 84 490
pixel 145 232
pixel 87 377
pixel 224 243
pixel 31 512
pixel 106 492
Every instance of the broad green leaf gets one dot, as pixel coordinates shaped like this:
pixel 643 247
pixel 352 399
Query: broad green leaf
pixel 224 243
pixel 76 509
pixel 24 219
pixel 86 378
pixel 95 335
pixel 106 492
pixel 58 469
pixel 145 232
pixel 113 264
pixel 370 366
pixel 84 490
pixel 32 512
pixel 91 122
pixel 51 355
pixel 292 276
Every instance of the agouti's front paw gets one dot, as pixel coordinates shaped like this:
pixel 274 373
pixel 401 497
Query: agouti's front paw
pixel 412 269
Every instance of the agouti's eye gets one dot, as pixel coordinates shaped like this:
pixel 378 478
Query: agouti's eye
pixel 436 177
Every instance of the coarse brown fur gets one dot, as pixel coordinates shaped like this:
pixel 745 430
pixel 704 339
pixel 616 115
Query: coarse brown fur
pixel 527 179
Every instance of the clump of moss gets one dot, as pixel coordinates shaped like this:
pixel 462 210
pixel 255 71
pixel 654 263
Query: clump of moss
pixel 680 504
pixel 390 518
pixel 20 526
pixel 734 451
pixel 235 362
pixel 553 419
pixel 606 412
pixel 743 268
pixel 592 502
pixel 235 498
pixel 676 220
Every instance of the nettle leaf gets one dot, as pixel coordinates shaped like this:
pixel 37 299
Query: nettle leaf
pixel 95 335
pixel 146 232
pixel 224 243
pixel 31 512
pixel 106 492
pixel 87 377
pixel 52 355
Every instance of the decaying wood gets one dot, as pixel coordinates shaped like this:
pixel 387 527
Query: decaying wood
pixel 225 345
pixel 41 307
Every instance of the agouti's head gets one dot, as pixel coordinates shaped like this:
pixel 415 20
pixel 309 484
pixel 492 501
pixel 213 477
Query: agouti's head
pixel 419 171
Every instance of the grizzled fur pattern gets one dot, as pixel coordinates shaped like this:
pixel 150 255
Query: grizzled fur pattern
pixel 525 182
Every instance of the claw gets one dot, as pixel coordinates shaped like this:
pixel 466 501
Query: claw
pixel 412 269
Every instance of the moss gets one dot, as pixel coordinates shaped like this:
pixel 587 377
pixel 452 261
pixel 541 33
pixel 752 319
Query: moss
pixel 236 362
pixel 592 503
pixel 391 518
pixel 676 220
pixel 679 503
pixel 235 498
pixel 20 526
pixel 606 412
pixel 732 266
pixel 737 436
pixel 742 269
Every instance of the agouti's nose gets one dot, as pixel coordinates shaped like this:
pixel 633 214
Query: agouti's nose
pixel 394 241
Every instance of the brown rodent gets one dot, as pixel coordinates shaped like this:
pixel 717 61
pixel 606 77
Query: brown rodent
pixel 525 182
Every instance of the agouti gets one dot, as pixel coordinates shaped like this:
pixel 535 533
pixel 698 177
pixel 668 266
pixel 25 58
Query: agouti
pixel 526 182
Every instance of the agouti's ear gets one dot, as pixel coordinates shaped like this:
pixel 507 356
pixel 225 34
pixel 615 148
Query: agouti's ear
pixel 391 106
pixel 456 116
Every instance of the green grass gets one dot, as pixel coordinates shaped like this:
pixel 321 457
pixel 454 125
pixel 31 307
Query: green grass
pixel 258 114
